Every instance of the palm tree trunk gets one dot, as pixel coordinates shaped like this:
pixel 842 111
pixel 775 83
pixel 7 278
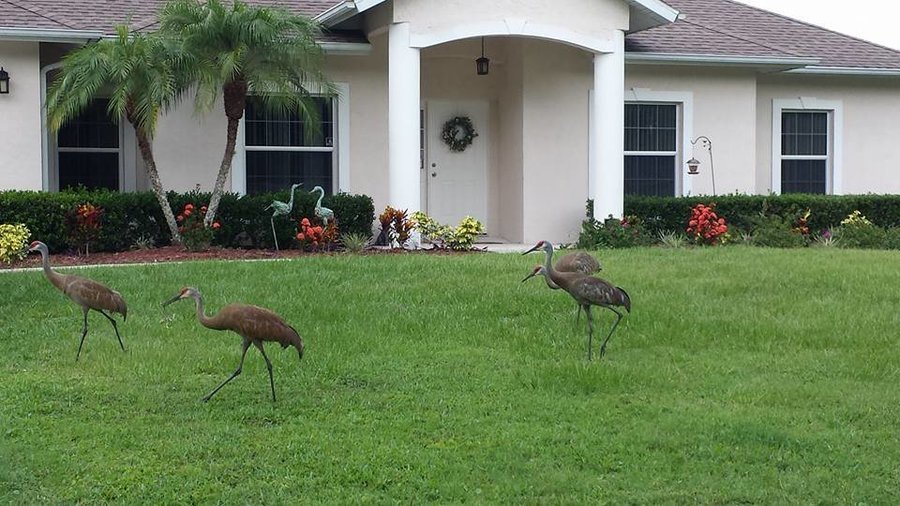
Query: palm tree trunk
pixel 155 183
pixel 224 171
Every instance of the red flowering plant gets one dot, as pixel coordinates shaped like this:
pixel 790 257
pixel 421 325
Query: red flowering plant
pixel 310 236
pixel 85 225
pixel 194 235
pixel 705 226
pixel 801 226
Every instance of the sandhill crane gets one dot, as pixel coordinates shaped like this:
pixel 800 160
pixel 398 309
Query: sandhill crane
pixel 254 324
pixel 322 212
pixel 280 208
pixel 86 293
pixel 588 291
pixel 577 261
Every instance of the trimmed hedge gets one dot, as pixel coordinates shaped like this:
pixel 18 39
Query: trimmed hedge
pixel 130 217
pixel 664 214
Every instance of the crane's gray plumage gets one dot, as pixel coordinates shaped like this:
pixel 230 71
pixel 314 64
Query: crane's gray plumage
pixel 85 292
pixel 577 261
pixel 588 291
pixel 253 323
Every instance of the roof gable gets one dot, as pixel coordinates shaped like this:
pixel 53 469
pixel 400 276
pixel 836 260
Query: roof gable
pixel 729 28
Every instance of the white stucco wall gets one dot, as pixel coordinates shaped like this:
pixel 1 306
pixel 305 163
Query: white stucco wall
pixel 724 110
pixel 20 118
pixel 871 106
pixel 556 87
pixel 188 147
pixel 511 145
pixel 592 18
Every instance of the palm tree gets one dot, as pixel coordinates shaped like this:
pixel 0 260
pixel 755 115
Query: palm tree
pixel 140 74
pixel 242 50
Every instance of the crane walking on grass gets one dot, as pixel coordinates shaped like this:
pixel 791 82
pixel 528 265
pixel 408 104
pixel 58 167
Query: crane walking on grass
pixel 280 208
pixel 577 261
pixel 588 291
pixel 254 324
pixel 86 293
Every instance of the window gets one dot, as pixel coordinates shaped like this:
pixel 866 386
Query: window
pixel 807 146
pixel 804 152
pixel 88 152
pixel 651 149
pixel 282 149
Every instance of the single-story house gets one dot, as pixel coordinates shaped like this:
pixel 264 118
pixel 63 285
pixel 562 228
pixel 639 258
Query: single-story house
pixel 579 99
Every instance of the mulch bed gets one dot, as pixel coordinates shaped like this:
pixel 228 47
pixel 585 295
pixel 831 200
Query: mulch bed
pixel 179 254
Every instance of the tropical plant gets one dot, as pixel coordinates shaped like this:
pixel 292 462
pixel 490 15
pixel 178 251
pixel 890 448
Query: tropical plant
pixel 705 226
pixel 84 224
pixel 463 236
pixel 13 239
pixel 310 236
pixel 354 242
pixel 460 238
pixel 243 50
pixel 671 239
pixel 142 75
pixel 195 235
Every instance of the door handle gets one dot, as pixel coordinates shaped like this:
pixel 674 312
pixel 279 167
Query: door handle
pixel 434 174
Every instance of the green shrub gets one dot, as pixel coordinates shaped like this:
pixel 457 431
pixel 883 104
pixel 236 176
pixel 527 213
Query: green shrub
pixel 660 214
pixel 860 236
pixel 775 232
pixel 892 238
pixel 13 242
pixel 129 218
pixel 613 233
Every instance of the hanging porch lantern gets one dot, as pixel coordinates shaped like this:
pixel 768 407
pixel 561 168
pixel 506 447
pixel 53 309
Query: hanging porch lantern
pixel 4 81
pixel 482 65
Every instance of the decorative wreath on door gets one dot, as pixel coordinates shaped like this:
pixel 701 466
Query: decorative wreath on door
pixel 458 133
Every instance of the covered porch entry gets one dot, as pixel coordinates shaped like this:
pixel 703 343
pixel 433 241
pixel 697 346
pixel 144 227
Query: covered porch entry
pixel 549 114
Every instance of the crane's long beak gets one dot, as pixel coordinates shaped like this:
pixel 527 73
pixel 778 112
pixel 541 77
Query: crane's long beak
pixel 173 299
pixel 529 276
pixel 535 248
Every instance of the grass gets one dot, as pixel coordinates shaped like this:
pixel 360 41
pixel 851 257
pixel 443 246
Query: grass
pixel 744 375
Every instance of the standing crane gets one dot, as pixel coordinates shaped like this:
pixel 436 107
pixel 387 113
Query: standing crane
pixel 588 291
pixel 86 293
pixel 577 261
pixel 253 323
pixel 322 212
pixel 280 208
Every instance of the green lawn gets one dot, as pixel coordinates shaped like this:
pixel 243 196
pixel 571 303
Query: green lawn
pixel 742 375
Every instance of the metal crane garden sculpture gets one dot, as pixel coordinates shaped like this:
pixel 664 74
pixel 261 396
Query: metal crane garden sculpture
pixel 280 208
pixel 86 293
pixel 588 291
pixel 254 324
pixel 323 213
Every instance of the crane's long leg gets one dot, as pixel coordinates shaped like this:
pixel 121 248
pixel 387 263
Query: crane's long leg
pixel 83 333
pixel 240 367
pixel 577 314
pixel 619 317
pixel 590 319
pixel 268 365
pixel 115 327
pixel 274 236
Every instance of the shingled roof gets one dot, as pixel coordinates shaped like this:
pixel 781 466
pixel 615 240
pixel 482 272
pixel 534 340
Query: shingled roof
pixel 729 28
pixel 104 15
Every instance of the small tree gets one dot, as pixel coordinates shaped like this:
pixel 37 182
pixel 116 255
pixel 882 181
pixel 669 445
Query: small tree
pixel 246 50
pixel 141 74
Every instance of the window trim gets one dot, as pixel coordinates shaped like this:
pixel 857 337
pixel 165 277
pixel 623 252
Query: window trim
pixel 684 102
pixel 340 148
pixel 834 181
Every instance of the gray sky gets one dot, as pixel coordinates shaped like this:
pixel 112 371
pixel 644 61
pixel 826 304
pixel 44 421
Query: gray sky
pixel 872 20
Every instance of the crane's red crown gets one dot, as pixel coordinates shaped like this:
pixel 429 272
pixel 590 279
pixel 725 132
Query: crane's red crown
pixel 33 244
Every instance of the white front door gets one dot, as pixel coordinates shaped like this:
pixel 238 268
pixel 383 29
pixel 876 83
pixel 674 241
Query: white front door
pixel 457 181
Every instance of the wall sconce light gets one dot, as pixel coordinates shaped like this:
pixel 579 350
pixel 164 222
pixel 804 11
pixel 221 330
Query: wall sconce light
pixel 694 164
pixel 482 65
pixel 4 81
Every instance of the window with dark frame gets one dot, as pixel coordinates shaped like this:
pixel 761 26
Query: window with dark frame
pixel 88 150
pixel 283 149
pixel 804 152
pixel 651 140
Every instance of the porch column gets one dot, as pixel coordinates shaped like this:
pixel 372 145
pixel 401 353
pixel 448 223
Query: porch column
pixel 403 120
pixel 607 143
